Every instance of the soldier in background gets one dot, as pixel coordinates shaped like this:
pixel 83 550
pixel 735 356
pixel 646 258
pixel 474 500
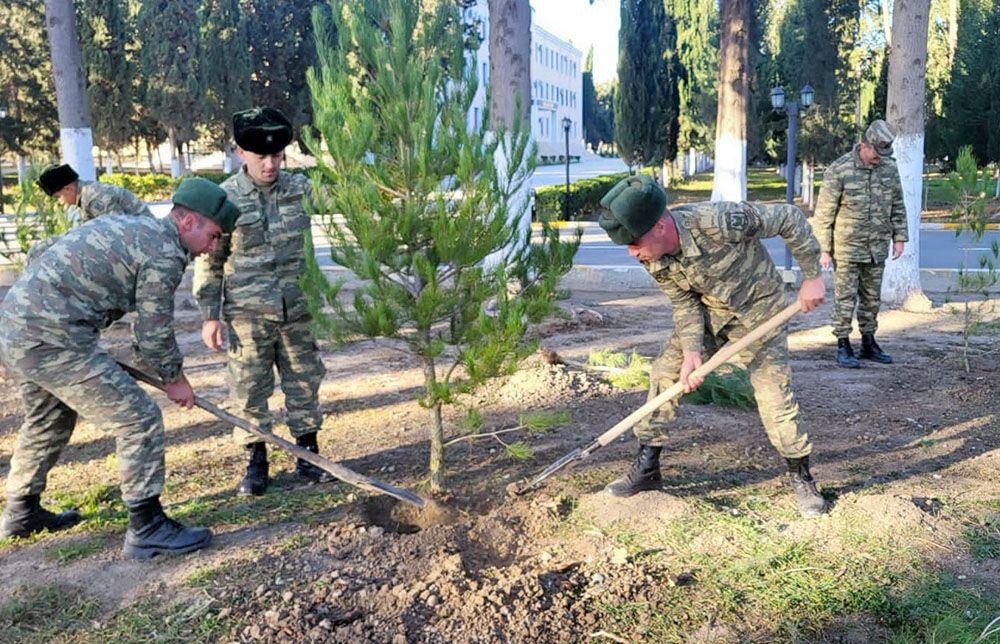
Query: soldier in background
pixel 50 323
pixel 709 260
pixel 86 200
pixel 859 211
pixel 251 285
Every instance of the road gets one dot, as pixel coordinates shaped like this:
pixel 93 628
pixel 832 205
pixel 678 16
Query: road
pixel 938 249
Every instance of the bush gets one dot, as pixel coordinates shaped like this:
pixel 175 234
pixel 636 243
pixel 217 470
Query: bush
pixel 148 187
pixel 584 198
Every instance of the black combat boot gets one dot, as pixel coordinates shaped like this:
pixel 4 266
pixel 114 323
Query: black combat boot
pixel 644 475
pixel 306 469
pixel 871 351
pixel 845 354
pixel 255 480
pixel 151 532
pixel 811 503
pixel 24 515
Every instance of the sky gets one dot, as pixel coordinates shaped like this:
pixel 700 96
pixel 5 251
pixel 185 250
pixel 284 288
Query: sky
pixel 584 25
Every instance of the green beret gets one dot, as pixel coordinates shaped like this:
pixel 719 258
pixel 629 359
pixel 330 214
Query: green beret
pixel 880 136
pixel 209 200
pixel 632 208
pixel 56 177
pixel 263 130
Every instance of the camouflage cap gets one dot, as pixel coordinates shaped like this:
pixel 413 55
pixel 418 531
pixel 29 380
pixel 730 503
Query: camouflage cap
pixel 880 136
pixel 263 130
pixel 56 177
pixel 209 200
pixel 632 208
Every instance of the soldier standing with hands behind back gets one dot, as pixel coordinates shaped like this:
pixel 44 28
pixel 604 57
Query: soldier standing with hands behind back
pixel 250 288
pixel 859 210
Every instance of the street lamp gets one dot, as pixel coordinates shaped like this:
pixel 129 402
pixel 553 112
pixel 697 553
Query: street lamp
pixel 566 125
pixel 3 115
pixel 791 108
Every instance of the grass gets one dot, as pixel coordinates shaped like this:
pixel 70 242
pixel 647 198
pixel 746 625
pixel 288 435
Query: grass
pixel 769 585
pixel 279 506
pixel 77 550
pixel 42 613
pixel 150 620
pixel 984 539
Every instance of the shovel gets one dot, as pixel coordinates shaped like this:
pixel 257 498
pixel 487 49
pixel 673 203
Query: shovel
pixel 721 356
pixel 344 474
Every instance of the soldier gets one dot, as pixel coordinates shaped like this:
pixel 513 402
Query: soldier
pixel 860 208
pixel 252 283
pixel 50 322
pixel 88 200
pixel 709 260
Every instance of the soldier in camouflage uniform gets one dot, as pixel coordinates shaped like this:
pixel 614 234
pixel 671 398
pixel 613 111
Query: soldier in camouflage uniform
pixel 709 260
pixel 859 210
pixel 86 200
pixel 252 285
pixel 50 322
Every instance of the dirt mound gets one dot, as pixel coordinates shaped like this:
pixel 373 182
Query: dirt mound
pixel 644 512
pixel 540 384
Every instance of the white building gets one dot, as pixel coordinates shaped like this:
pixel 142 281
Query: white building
pixel 556 89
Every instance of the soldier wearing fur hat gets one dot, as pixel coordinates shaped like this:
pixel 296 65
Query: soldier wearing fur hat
pixel 50 322
pixel 249 295
pixel 88 200
pixel 709 260
pixel 859 212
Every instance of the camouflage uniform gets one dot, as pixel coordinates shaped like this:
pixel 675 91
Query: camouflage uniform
pixel 860 208
pixel 252 282
pixel 50 322
pixel 95 199
pixel 722 283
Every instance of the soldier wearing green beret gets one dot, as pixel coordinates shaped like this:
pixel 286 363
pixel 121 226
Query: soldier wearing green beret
pixel 50 322
pixel 709 260
pixel 248 293
pixel 88 200
pixel 859 211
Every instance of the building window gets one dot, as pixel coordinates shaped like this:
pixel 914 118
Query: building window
pixel 475 117
pixel 486 74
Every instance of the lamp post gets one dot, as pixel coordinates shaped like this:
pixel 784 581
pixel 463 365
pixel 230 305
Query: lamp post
pixel 3 115
pixel 566 123
pixel 791 108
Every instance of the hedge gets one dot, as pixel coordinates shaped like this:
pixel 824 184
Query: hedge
pixel 584 198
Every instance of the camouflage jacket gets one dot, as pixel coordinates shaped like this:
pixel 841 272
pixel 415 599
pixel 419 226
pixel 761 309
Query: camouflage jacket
pixel 860 208
pixel 95 199
pixel 722 268
pixel 256 269
pixel 95 274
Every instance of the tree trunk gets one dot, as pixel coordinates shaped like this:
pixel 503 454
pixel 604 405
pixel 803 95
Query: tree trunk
pixel 952 31
pixel 905 112
pixel 436 465
pixel 510 80
pixel 730 180
pixel 69 77
pixel 175 153
pixel 22 169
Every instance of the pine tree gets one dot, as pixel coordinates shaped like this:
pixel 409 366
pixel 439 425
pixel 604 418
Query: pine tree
pixel 226 69
pixel 646 104
pixel 171 67
pixel 423 203
pixel 105 35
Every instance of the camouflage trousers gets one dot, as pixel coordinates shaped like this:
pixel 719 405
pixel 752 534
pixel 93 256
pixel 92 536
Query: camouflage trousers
pixel 767 365
pixel 256 348
pixel 858 284
pixel 56 384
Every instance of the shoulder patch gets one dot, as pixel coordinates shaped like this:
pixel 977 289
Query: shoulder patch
pixel 744 221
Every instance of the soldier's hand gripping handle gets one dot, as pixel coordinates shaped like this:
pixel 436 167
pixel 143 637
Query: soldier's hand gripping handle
pixel 180 392
pixel 212 334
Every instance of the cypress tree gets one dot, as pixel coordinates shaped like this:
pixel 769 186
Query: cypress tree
pixel 698 54
pixel 423 203
pixel 646 103
pixel 32 122
pixel 171 67
pixel 105 35
pixel 226 67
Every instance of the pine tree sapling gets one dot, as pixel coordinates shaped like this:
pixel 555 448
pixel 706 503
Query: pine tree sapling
pixel 420 202
pixel 968 192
